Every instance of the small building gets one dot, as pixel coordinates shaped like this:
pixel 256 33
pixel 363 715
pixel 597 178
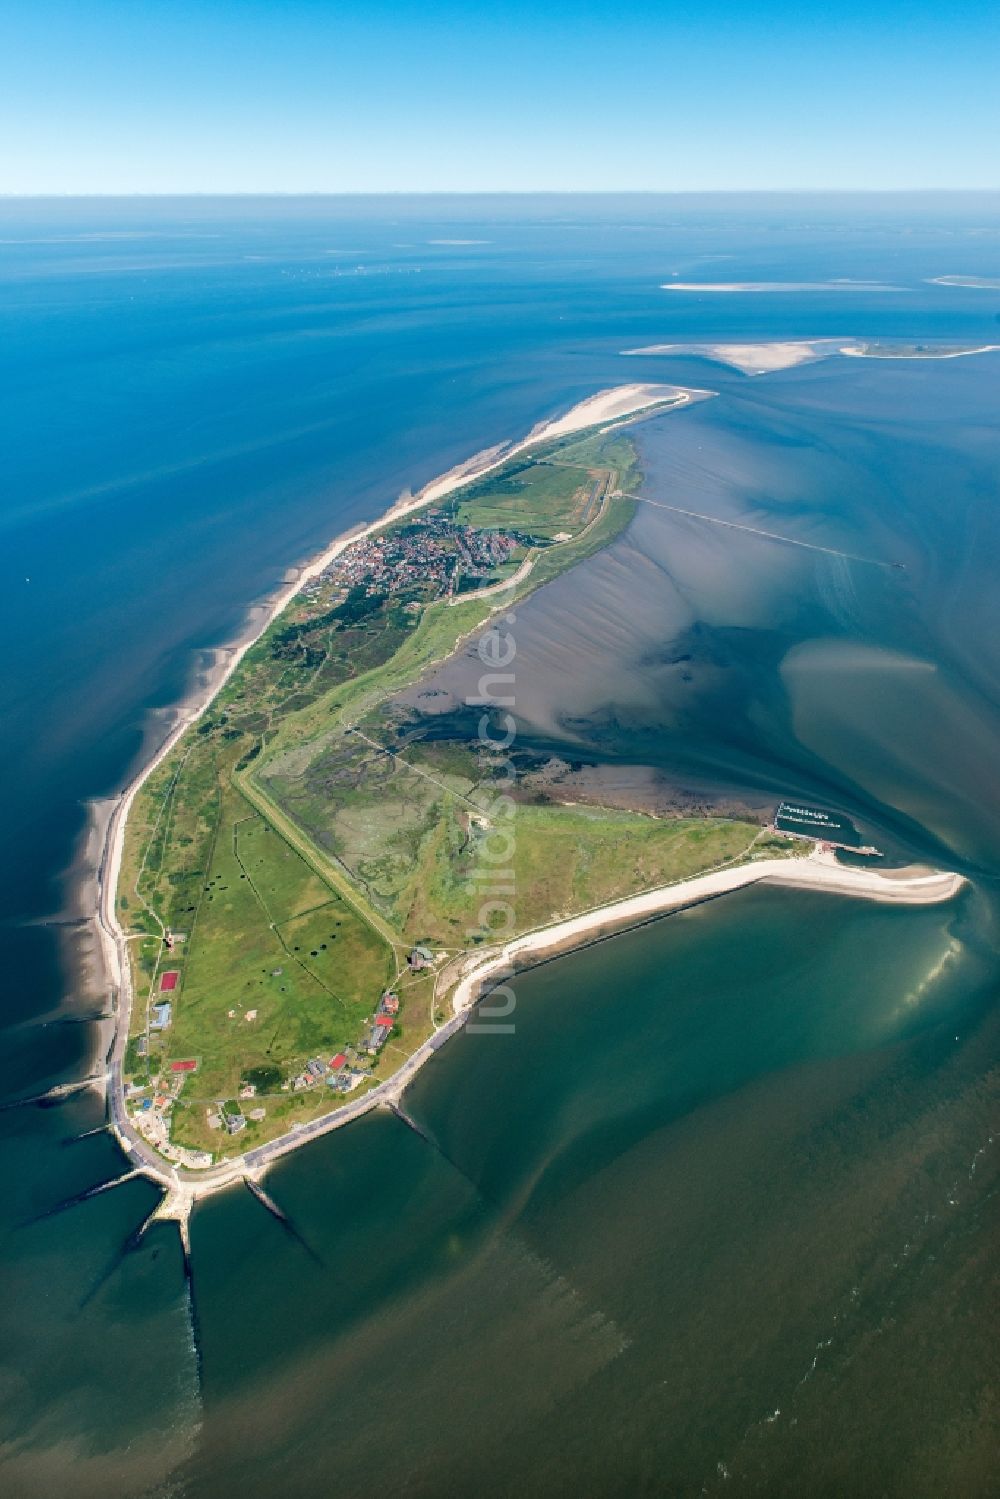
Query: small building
pixel 161 1016
pixel 379 1033
pixel 389 1003
pixel 233 1120
pixel 315 1067
pixel 420 957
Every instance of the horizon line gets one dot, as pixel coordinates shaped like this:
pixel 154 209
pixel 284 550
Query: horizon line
pixel 533 192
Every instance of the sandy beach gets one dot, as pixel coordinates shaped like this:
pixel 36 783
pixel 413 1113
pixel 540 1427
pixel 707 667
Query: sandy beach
pixel 816 871
pixel 753 359
pixel 619 403
pixel 967 283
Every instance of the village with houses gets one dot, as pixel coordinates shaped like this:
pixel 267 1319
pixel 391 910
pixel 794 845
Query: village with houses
pixel 431 549
pixel 152 1102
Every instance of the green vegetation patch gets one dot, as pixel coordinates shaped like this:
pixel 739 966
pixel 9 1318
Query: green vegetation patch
pixel 566 860
pixel 275 871
pixel 539 501
pixel 258 985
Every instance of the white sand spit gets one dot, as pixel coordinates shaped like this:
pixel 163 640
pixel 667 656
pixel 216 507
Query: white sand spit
pixel 753 359
pixel 775 286
pixel 970 283
pixel 765 358
pixel 817 871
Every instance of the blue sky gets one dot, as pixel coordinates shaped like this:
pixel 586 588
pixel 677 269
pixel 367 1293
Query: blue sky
pixel 315 95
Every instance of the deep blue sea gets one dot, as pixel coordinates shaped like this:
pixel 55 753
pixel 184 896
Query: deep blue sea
pixel 716 1217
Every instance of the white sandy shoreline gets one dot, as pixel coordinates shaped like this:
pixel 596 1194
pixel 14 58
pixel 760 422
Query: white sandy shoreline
pixel 816 871
pixel 480 972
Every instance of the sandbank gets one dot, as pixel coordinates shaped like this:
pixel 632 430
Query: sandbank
pixel 765 358
pixel 970 283
pixel 753 359
pixel 775 286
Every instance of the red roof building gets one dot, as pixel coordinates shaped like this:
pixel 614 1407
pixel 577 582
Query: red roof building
pixel 169 980
pixel 385 1021
pixel 338 1060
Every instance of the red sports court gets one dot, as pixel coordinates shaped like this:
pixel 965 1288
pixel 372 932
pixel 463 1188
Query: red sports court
pixel 169 980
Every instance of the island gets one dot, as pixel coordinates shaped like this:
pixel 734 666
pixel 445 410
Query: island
pixel 783 354
pixel 314 883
